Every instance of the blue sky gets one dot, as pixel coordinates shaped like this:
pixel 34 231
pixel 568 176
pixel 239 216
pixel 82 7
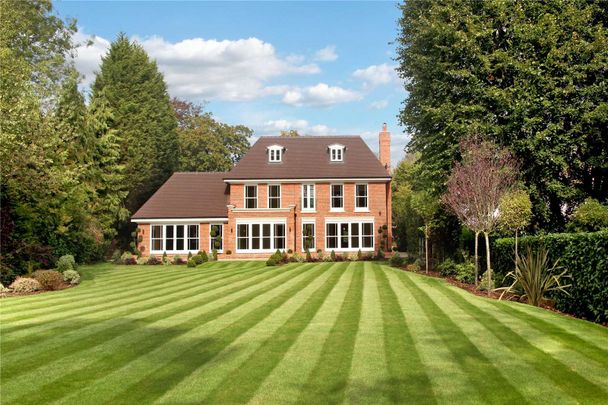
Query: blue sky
pixel 318 67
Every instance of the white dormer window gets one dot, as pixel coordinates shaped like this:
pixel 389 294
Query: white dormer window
pixel 275 153
pixel 336 153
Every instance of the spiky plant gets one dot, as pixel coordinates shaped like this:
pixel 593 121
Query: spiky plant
pixel 534 277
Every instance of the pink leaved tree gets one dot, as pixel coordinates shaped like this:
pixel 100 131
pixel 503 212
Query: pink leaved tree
pixel 476 187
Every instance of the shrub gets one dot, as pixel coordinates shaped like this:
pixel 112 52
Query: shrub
pixel 66 262
pixel 130 260
pixel 271 261
pixel 191 262
pixel 320 255
pixel 582 254
pixel 533 277
pixel 590 216
pixel 71 277
pixel 396 260
pixel 380 255
pixel 327 259
pixel 49 279
pixel 153 260
pixel 116 256
pixel 484 283
pixel 204 256
pixel 141 260
pixel 189 256
pixel 165 259
pixel 228 252
pixel 214 255
pixel 298 258
pixel 24 284
pixel 465 272
pixel 178 260
pixel 7 274
pixel 333 255
pixel 308 256
pixel 447 268
pixel 125 257
pixel 359 255
pixel 290 251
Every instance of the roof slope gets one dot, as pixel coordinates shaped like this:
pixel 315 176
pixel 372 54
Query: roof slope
pixel 307 157
pixel 188 195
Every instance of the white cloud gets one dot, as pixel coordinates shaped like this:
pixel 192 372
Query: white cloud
pixel 320 95
pixel 376 75
pixel 235 70
pixel 326 54
pixel 273 127
pixel 378 105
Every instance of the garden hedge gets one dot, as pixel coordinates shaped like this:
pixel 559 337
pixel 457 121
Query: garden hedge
pixel 584 255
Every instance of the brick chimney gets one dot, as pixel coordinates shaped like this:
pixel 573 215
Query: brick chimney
pixel 384 139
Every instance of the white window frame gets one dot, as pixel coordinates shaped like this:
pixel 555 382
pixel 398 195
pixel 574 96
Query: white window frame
pixel 338 222
pixel 366 208
pixel 275 154
pixel 268 195
pixel 331 198
pixel 336 153
pixel 312 222
pixel 261 222
pixel 211 240
pixel 310 198
pixel 163 239
pixel 245 197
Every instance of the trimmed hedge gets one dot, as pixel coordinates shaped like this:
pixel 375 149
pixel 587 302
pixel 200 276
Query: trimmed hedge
pixel 585 255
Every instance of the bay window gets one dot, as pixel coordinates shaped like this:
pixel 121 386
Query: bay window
pixel 260 237
pixel 337 197
pixel 174 238
pixel 349 235
pixel 251 196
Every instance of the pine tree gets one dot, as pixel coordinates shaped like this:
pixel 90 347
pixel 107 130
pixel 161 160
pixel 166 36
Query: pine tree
pixel 142 113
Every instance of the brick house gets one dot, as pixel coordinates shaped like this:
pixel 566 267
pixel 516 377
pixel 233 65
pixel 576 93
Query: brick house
pixel 315 192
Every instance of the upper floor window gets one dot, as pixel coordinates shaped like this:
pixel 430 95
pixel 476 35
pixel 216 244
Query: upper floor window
pixel 337 196
pixel 336 153
pixel 251 196
pixel 274 196
pixel 361 203
pixel 308 197
pixel 275 153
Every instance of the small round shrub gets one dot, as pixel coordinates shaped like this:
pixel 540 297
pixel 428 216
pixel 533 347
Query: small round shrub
pixel 130 261
pixel 141 260
pixel 332 255
pixel 229 252
pixel 49 279
pixel 447 268
pixel 396 260
pixel 71 277
pixel 297 258
pixel 23 284
pixel 484 283
pixel 327 259
pixel 116 256
pixel 153 260
pixel 165 259
pixel 124 258
pixel 66 262
pixel 178 260
pixel 380 254
pixel 289 251
pixel 271 261
pixel 191 262
pixel 465 272
pixel 7 274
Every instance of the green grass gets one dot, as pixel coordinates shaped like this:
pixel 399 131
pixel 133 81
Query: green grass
pixel 241 332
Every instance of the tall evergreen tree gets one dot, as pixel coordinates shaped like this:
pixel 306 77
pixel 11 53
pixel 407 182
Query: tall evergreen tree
pixel 529 75
pixel 137 97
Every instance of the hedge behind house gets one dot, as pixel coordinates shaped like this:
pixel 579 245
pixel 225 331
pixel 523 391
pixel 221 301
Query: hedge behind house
pixel 585 255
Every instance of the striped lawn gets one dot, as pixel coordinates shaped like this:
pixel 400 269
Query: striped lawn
pixel 241 332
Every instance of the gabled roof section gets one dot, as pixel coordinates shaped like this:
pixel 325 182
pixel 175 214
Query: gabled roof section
pixel 307 157
pixel 188 195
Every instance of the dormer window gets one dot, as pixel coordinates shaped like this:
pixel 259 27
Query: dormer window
pixel 275 154
pixel 336 153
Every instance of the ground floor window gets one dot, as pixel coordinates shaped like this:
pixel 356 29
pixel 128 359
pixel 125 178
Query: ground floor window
pixel 216 237
pixel 349 235
pixel 174 238
pixel 308 236
pixel 260 237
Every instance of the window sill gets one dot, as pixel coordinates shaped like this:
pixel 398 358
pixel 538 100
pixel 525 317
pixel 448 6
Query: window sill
pixel 336 210
pixel 308 211
pixel 361 209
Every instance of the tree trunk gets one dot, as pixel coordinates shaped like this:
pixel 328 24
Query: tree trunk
pixel 476 257
pixel 489 270
pixel 426 248
pixel 516 255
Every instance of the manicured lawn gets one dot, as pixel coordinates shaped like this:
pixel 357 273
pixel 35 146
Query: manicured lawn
pixel 234 332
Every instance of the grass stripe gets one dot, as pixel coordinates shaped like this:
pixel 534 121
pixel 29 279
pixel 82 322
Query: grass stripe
pixel 69 296
pixel 328 380
pixel 119 352
pixel 252 373
pixel 482 374
pixel 570 340
pixel 369 372
pixel 83 340
pixel 287 380
pixel 569 381
pixel 409 383
pixel 153 385
pixel 50 328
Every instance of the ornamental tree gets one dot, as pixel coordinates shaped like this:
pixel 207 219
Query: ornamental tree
pixel 476 187
pixel 515 213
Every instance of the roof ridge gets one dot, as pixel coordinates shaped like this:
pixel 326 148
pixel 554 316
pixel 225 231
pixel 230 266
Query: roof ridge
pixel 310 136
